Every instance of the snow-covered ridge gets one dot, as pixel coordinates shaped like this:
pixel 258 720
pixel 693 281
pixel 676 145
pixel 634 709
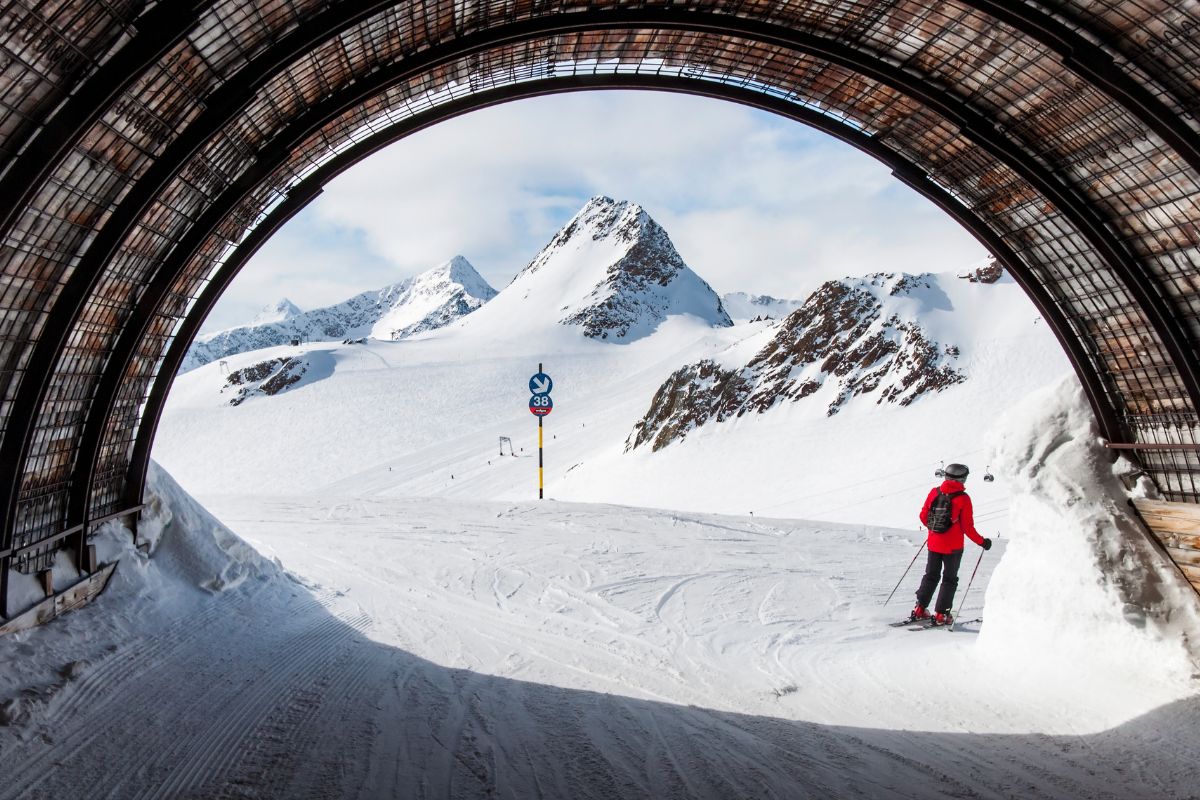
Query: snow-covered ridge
pixel 851 335
pixel 742 306
pixel 613 272
pixel 422 303
pixel 279 311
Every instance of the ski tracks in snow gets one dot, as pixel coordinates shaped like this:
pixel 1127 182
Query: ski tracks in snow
pixel 547 652
pixel 179 715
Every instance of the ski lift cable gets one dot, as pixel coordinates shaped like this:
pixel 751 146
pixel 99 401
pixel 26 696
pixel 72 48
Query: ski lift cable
pixel 846 488
pixel 985 516
pixel 991 502
pixel 979 513
pixel 871 500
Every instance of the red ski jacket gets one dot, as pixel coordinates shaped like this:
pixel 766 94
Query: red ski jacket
pixel 962 520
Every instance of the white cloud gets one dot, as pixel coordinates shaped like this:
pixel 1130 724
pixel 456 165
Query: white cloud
pixel 754 202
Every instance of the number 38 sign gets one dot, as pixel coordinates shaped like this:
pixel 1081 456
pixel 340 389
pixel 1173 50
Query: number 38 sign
pixel 540 386
pixel 540 405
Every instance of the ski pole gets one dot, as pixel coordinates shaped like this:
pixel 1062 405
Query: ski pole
pixel 963 602
pixel 905 575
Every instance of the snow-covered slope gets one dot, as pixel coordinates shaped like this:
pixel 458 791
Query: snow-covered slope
pixel 743 307
pixel 463 639
pixel 610 273
pixel 445 649
pixel 422 303
pixel 467 637
pixel 423 417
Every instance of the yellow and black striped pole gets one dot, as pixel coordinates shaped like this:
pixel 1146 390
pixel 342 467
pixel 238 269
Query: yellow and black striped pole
pixel 540 480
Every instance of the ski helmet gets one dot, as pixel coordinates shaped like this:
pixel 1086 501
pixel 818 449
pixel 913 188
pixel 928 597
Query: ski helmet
pixel 957 472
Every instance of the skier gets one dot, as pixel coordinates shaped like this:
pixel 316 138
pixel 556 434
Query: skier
pixel 948 516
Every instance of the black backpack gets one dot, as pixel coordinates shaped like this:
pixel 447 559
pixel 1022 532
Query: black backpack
pixel 939 512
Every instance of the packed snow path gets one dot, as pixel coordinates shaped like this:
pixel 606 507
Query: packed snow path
pixel 432 649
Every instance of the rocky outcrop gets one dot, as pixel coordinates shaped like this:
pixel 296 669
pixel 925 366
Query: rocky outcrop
pixel 840 338
pixel 268 378
pixel 989 273
pixel 692 396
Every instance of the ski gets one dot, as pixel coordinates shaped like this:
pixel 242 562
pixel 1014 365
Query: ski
pixel 902 623
pixel 930 626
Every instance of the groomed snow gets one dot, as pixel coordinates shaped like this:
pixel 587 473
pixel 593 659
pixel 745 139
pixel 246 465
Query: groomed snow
pixel 396 616
pixel 384 647
pixel 400 418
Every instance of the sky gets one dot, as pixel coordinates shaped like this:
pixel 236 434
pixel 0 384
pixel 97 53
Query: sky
pixel 753 202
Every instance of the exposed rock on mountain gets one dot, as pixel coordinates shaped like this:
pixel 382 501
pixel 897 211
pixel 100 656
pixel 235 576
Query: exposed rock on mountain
pixel 848 336
pixel 613 271
pixel 989 273
pixel 425 302
pixel 266 377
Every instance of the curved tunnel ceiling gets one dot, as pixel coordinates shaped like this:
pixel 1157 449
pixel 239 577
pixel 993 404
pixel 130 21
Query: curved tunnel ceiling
pixel 147 149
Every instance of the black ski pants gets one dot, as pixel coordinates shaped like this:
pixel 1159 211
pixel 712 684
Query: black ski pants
pixel 945 564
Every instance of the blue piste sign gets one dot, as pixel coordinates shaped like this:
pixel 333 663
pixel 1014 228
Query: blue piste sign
pixel 540 384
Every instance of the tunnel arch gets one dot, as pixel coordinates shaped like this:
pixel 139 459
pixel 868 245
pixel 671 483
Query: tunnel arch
pixel 147 149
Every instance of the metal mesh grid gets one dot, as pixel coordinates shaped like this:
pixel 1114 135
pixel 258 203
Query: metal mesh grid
pixel 1063 121
pixel 1147 196
pixel 115 152
pixel 43 47
pixel 1160 38
pixel 1177 472
pixel 1119 349
pixel 1001 196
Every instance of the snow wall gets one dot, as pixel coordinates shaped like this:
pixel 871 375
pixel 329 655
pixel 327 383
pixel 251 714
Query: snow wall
pixel 1080 580
pixel 190 548
pixel 192 556
pixel 191 545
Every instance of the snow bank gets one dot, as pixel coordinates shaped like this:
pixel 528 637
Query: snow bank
pixel 196 550
pixel 190 545
pixel 1079 580
pixel 191 556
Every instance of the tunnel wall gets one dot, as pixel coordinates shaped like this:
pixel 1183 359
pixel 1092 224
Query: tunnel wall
pixel 146 149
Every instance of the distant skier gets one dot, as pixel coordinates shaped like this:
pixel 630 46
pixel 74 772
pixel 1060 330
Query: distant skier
pixel 948 516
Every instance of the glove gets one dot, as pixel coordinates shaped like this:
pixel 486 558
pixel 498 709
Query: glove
pixel 987 544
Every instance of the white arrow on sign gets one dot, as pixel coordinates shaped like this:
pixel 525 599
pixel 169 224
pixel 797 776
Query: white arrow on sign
pixel 541 387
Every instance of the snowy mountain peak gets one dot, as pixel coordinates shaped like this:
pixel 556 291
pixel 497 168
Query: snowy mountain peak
pixel 282 309
pixel 601 218
pixel 461 272
pixel 431 300
pixel 892 284
pixel 613 271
